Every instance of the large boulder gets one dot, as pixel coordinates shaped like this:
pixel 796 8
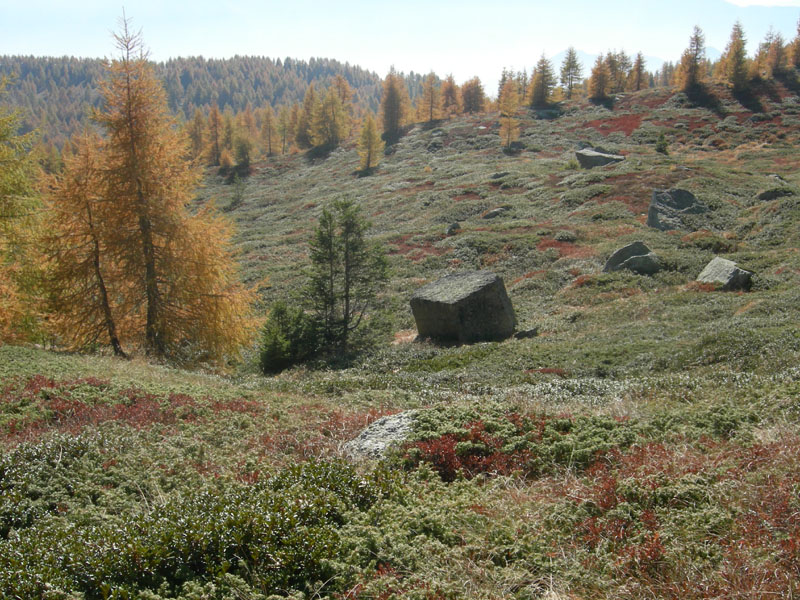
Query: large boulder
pixel 465 307
pixel 589 158
pixel 635 257
pixel 669 209
pixel 724 272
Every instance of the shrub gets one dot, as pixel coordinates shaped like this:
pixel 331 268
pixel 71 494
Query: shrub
pixel 661 144
pixel 290 337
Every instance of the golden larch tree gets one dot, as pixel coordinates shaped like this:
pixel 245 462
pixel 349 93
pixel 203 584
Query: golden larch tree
pixel 429 100
pixel 691 70
pixel 82 276
pixel 179 264
pixel 370 144
pixel 330 122
pixel 268 130
pixel 473 98
pixel 214 150
pixel 394 105
pixel 600 80
pixel 17 224
pixel 451 97
pixel 508 102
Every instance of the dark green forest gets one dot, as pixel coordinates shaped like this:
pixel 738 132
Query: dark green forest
pixel 54 93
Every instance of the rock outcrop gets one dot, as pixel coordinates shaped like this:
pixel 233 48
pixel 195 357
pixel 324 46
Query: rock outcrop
pixel 635 257
pixel 589 158
pixel 725 273
pixel 669 209
pixel 465 308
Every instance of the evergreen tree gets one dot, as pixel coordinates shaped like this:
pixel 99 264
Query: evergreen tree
pixel 542 83
pixel 472 96
pixel 370 144
pixel 451 103
pixel 599 81
pixel 571 71
pixel 177 265
pixel 691 70
pixel 394 105
pixel 346 273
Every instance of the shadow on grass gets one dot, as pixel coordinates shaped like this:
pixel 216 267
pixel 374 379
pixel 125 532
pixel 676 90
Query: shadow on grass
pixel 232 173
pixel 606 102
pixel 749 100
pixel 701 96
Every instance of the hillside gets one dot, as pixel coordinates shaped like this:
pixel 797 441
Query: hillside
pixel 643 444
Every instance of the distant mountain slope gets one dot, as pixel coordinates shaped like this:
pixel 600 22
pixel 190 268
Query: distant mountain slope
pixel 54 93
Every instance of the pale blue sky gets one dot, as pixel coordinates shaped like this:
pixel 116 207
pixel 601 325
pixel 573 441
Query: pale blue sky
pixel 463 37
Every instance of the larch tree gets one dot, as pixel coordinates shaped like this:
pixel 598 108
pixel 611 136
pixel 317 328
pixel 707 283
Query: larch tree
pixel 214 150
pixel 691 70
pixel 284 130
pixel 542 83
pixel 599 81
pixel 330 123
pixel 571 71
pixel 619 66
pixel 473 97
pixel 429 100
pixel 794 49
pixel 637 79
pixel 734 60
pixel 83 278
pixel 508 102
pixel 268 130
pixel 179 265
pixel 370 144
pixel 302 135
pixel 451 101
pixel 17 223
pixel 197 134
pixel 776 55
pixel 394 105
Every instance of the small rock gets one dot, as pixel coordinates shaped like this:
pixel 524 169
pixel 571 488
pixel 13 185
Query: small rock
pixel 588 159
pixel 669 207
pixel 725 272
pixel 376 439
pixel 453 228
pixel 646 264
pixel 500 175
pixel 619 256
pixel 496 212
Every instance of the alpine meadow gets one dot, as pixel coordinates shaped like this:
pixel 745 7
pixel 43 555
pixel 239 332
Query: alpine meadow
pixel 287 328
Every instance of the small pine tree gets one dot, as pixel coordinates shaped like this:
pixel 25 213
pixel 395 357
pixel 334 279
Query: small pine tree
pixel 370 144
pixel 346 274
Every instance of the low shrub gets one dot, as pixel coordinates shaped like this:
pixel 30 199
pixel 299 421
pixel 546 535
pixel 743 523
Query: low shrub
pixel 290 336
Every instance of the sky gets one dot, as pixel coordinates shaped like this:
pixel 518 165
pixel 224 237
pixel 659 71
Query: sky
pixel 462 37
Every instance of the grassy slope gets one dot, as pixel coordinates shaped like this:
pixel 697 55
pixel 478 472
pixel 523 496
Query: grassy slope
pixel 663 416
